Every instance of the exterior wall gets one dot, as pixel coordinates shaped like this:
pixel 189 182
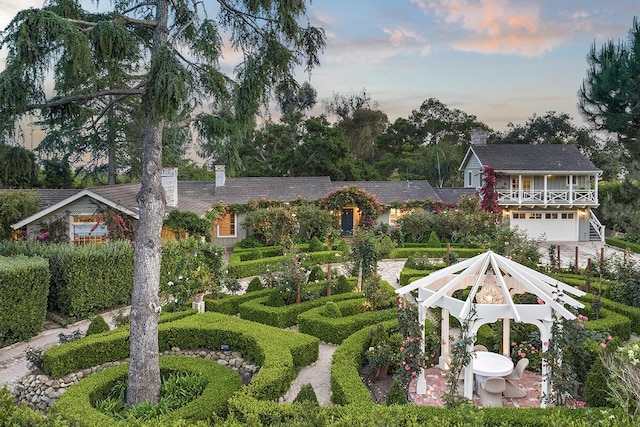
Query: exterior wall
pixel 82 206
pixel 557 225
pixel 472 173
pixel 230 242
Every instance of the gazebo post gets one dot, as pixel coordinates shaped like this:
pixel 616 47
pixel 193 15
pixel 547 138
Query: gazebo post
pixel 421 383
pixel 545 386
pixel 444 340
pixel 468 370
pixel 506 337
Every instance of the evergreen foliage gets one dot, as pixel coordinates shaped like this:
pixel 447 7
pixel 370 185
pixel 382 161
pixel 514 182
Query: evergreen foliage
pixel 97 325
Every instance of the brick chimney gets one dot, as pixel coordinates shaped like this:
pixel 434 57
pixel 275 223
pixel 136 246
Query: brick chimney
pixel 479 137
pixel 220 176
pixel 170 185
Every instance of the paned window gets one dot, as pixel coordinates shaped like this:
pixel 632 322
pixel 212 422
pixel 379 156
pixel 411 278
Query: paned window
pixel 227 226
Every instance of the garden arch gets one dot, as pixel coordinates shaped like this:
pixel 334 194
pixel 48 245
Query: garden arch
pixel 493 281
pixel 368 206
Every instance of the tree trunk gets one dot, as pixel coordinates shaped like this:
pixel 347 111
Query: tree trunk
pixel 144 368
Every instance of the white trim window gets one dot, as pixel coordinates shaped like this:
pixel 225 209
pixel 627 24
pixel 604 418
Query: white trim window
pixel 88 229
pixel 228 225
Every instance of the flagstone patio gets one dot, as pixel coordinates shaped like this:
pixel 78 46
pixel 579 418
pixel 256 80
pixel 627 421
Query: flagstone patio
pixel 437 382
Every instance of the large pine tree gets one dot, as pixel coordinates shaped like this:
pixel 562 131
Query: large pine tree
pixel 169 53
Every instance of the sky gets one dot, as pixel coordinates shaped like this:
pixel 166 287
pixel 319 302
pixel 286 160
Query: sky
pixel 500 60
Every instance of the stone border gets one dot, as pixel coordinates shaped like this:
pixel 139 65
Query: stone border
pixel 39 391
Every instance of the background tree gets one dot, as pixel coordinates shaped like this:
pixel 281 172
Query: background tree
pixel 18 168
pixel 57 173
pixel 15 206
pixel 177 50
pixel 608 100
pixel 429 144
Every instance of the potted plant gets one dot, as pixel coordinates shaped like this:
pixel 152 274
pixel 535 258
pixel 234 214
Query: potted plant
pixel 381 354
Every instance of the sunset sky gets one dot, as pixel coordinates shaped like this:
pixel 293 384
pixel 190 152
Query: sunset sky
pixel 501 60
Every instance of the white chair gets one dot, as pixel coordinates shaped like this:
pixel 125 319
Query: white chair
pixel 511 389
pixel 479 347
pixel 490 391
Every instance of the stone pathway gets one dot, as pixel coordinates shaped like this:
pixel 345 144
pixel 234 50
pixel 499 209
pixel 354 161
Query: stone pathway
pixel 318 374
pixel 13 361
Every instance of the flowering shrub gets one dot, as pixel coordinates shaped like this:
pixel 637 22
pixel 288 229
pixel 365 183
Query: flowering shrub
pixel 412 359
pixel 381 352
pixel 530 351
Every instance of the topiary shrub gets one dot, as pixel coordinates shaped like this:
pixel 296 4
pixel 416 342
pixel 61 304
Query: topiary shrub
pixel 97 325
pixel 317 274
pixel 595 387
pixel 332 310
pixel 255 285
pixel 343 247
pixel 396 395
pixel 434 241
pixel 306 394
pixel 315 245
pixel 341 285
pixel 386 246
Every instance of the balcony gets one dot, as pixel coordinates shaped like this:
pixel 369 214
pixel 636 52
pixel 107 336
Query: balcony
pixel 541 198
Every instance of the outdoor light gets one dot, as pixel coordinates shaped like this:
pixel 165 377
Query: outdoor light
pixel 490 292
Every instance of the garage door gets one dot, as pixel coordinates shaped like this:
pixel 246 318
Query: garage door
pixel 554 226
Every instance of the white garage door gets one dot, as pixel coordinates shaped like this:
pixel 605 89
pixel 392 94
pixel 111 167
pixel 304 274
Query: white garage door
pixel 554 226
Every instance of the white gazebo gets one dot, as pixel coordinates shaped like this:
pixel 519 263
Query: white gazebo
pixel 493 281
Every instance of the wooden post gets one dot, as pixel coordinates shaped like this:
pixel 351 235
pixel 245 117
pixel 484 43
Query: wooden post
pixel 448 254
pixel 601 269
pixel 588 281
pixel 329 280
pixel 575 267
pixel 559 263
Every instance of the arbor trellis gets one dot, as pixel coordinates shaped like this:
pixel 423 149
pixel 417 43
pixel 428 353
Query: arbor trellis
pixel 169 53
pixel 368 205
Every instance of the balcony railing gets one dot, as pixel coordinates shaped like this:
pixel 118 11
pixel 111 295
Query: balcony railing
pixel 547 198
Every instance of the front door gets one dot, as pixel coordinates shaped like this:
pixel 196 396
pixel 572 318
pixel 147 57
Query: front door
pixel 346 222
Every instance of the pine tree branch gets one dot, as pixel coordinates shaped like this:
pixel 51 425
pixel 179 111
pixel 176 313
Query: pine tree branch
pixel 85 97
pixel 138 6
pixel 144 22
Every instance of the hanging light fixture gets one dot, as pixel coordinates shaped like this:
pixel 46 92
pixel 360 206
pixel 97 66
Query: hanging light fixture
pixel 490 292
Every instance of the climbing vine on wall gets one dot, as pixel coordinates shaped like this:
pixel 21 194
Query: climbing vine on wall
pixel 370 208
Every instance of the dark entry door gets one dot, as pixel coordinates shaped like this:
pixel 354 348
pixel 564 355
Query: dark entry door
pixel 346 222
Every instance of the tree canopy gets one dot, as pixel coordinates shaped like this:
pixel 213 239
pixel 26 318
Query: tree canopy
pixel 162 56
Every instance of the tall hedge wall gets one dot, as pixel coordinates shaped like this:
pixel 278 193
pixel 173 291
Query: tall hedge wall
pixel 86 279
pixel 24 286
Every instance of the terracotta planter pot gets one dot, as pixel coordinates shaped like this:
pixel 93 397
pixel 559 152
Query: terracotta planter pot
pixel 383 371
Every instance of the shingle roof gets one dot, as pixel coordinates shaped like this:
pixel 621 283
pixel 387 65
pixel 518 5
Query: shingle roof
pixel 46 196
pixel 527 157
pixel 393 191
pixel 453 195
pixel 243 190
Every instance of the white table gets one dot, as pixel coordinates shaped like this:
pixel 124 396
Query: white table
pixel 487 364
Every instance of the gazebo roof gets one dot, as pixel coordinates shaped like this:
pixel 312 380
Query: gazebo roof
pixel 494 280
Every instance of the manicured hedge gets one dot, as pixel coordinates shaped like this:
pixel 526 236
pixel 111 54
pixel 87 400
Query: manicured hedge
pixel 408 275
pixel 278 352
pixel 230 304
pixel 24 286
pixel 610 322
pixel 335 330
pixel 623 244
pixel 76 404
pixel 631 313
pixel 238 268
pixel 87 279
pixel 287 315
pixel 252 412
pixel 434 252
pixel 346 385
